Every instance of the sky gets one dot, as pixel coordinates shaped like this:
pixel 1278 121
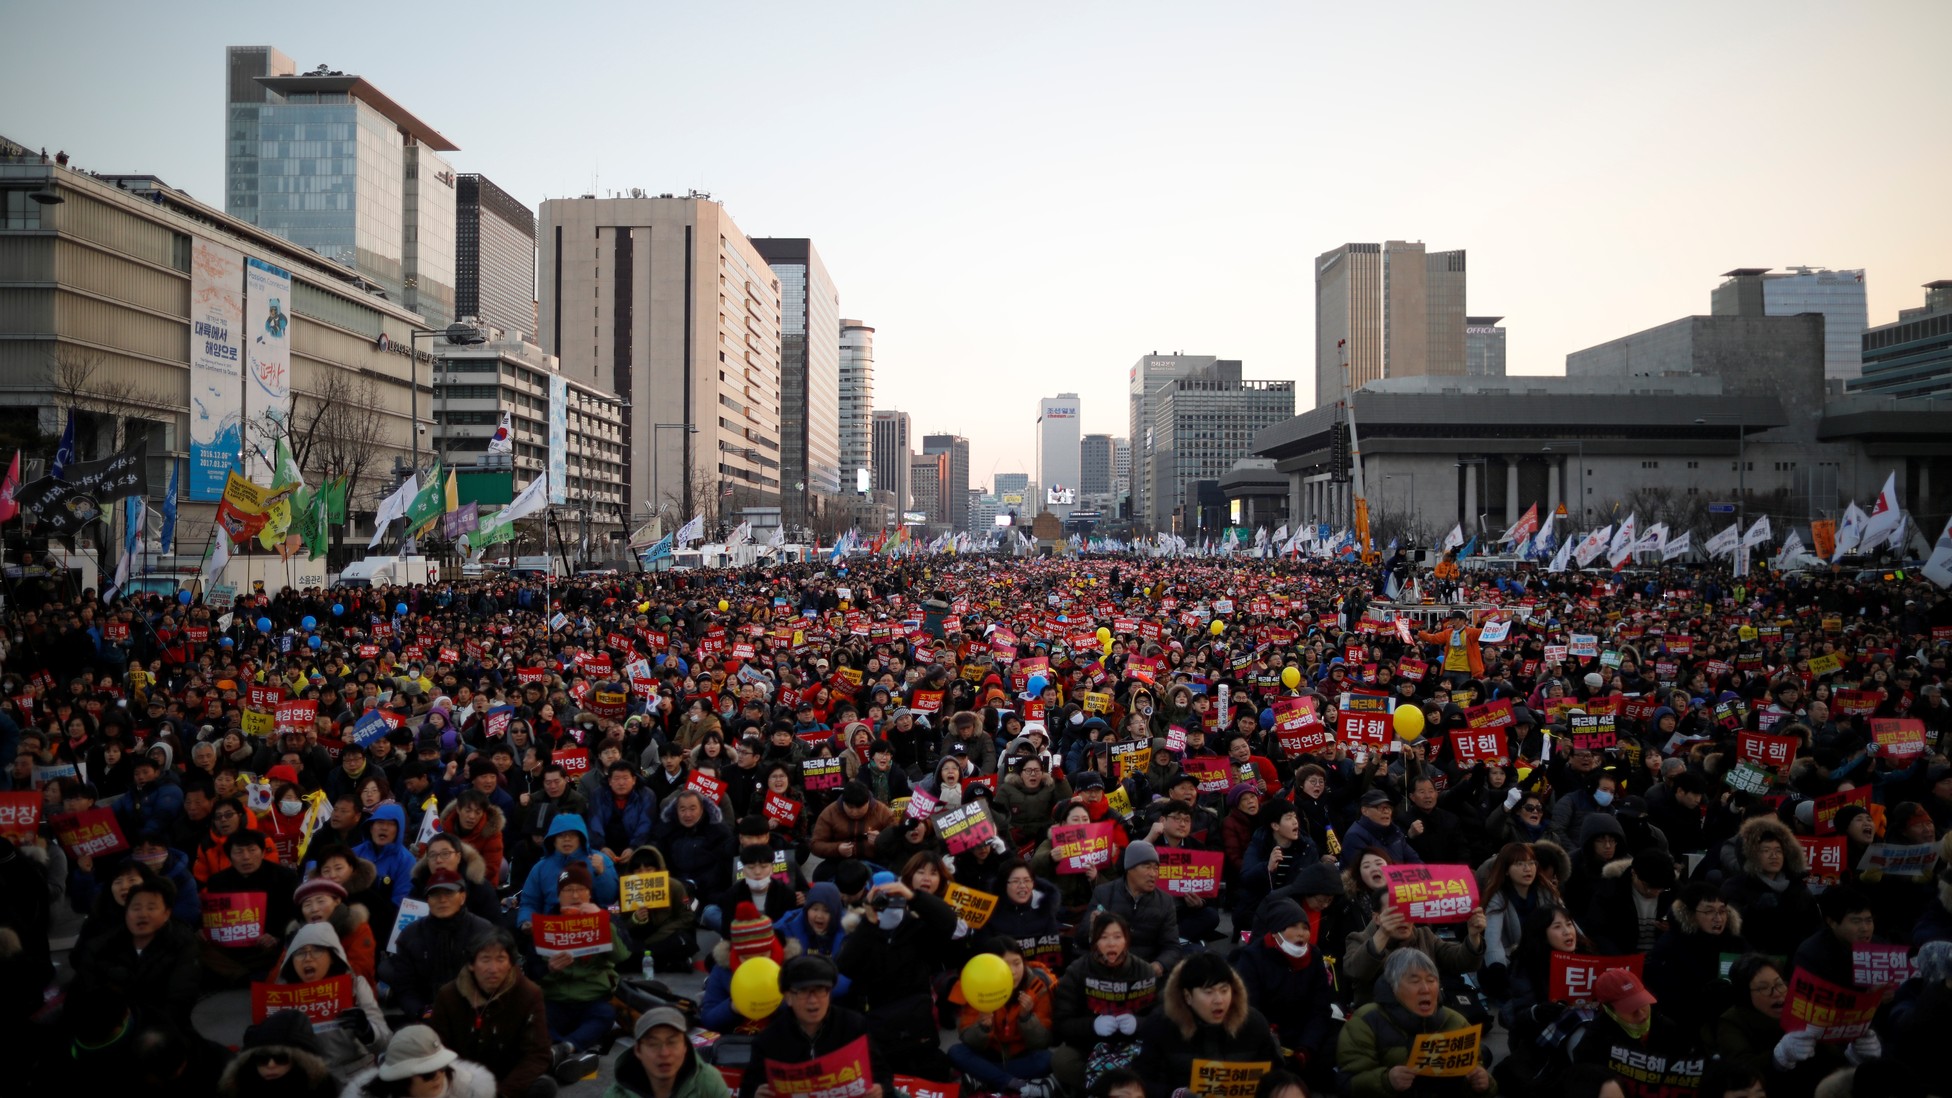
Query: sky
pixel 1024 199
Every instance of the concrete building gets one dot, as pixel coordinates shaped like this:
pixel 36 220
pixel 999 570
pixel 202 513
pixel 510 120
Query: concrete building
pixel 809 382
pixel 955 486
pixel 891 453
pixel 1913 356
pixel 1096 465
pixel 494 257
pixel 1484 346
pixel 1057 452
pixel 104 286
pixel 326 160
pixel 1013 495
pixel 1201 425
pixel 1389 310
pixel 930 489
pixel 664 302
pixel 982 511
pixel 1838 295
pixel 1147 378
pixel 856 399
pixel 1122 476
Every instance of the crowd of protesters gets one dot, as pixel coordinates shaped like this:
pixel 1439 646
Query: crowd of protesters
pixel 1691 808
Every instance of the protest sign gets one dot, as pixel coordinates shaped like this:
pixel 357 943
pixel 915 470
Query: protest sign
pixel 1836 1013
pixel 1900 859
pixel 92 833
pixel 321 1001
pixel 913 1086
pixel 705 785
pixel 971 906
pixel 921 805
pixel 782 808
pixel 1825 857
pixel 575 762
pixel 233 918
pixel 1211 770
pixel 1492 714
pixel 1453 1052
pixel 1574 974
pixel 1472 747
pixel 650 890
pixel 842 1073
pixel 1184 872
pixel 1749 777
pixel 1227 1078
pixel 20 813
pixel 1873 964
pixel 1770 751
pixel 411 912
pixel 1590 733
pixel 576 935
pixel 1827 664
pixel 1495 632
pixel 1584 645
pixel 1130 758
pixel 965 827
pixel 295 716
pixel 1077 847
pixel 1432 893
pixel 1828 805
pixel 1364 728
pixel 818 774
pixel 1900 737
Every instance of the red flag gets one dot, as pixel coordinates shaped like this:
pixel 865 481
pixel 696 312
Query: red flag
pixel 9 508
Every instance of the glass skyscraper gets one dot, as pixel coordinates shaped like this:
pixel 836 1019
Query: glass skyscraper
pixel 1838 295
pixel 809 378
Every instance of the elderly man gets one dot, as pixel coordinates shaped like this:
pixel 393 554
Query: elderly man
pixel 1153 914
pixel 1377 828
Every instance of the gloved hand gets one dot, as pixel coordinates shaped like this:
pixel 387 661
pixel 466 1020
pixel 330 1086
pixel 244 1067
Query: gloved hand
pixel 1794 1048
pixel 1867 1047
pixel 1128 1024
pixel 997 844
pixel 1104 1025
pixel 962 929
pixel 356 1023
pixel 1512 798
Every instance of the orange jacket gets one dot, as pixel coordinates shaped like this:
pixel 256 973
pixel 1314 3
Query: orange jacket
pixel 210 857
pixel 1013 1031
pixel 1472 653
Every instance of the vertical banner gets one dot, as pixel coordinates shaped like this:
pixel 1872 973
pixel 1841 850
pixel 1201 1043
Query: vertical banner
pixel 267 348
pixel 216 366
pixel 558 439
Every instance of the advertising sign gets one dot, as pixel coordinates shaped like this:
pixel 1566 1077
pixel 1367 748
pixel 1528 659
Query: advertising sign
pixel 216 366
pixel 267 355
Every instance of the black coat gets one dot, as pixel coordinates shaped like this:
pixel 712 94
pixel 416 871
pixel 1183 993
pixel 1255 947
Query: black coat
pixel 162 980
pixel 431 952
pixel 784 1041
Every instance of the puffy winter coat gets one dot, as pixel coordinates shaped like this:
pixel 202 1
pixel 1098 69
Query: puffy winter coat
pixel 539 890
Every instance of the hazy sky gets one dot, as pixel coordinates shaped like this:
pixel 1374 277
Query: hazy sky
pixel 1025 198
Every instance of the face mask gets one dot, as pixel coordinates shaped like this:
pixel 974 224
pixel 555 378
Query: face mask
pixel 1602 798
pixel 153 861
pixel 1293 950
pixel 758 885
pixel 291 808
pixel 890 917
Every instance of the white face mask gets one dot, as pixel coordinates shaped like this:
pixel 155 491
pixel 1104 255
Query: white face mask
pixel 758 885
pixel 1296 951
pixel 890 917
pixel 291 808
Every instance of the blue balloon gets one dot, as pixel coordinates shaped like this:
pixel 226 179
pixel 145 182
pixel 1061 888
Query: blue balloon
pixel 338 609
pixel 225 642
pixel 264 625
pixel 1036 685
pixel 310 623
pixel 400 608
pixel 314 640
pixel 183 596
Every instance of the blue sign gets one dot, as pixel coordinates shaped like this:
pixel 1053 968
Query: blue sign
pixel 1721 508
pixel 368 728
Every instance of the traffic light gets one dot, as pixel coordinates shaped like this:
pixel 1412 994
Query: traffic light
pixel 1338 452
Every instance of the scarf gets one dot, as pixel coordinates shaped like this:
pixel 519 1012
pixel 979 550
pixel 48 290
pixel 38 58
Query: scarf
pixel 1638 1032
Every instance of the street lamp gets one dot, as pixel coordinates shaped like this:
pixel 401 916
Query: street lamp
pixel 688 428
pixel 1580 494
pixel 1741 461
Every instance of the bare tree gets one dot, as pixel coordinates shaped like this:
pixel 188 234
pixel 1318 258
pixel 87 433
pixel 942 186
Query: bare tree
pixel 334 431
pixel 79 378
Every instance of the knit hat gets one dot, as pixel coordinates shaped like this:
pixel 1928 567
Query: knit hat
pixel 282 1028
pixel 478 766
pixel 575 873
pixel 751 932
pixel 1140 853
pixel 1846 814
pixel 319 886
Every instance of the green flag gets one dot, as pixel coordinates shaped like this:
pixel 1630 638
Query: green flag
pixel 429 504
pixel 284 474
pixel 493 528
pixel 309 511
pixel 335 500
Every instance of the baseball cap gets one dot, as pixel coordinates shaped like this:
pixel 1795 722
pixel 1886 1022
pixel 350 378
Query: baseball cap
pixel 808 970
pixel 1375 798
pixel 659 1016
pixel 1621 990
pixel 445 878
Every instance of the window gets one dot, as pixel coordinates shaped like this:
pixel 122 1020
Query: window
pixel 1693 465
pixel 1650 465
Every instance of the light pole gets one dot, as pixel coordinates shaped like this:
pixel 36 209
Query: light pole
pixel 688 428
pixel 1412 478
pixel 463 335
pixel 1741 463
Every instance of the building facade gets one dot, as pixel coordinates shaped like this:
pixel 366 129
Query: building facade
pixel 1202 424
pixel 955 486
pixel 329 162
pixel 1057 452
pixel 1393 309
pixel 856 400
pixel 1147 378
pixel 928 480
pixel 1484 346
pixel 1913 356
pixel 494 257
pixel 1838 295
pixel 1096 468
pixel 664 302
pixel 809 381
pixel 891 453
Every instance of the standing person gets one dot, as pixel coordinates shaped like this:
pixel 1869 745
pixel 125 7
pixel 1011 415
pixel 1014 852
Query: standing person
pixel 493 1014
pixel 661 1062
pixel 1462 660
pixel 810 1027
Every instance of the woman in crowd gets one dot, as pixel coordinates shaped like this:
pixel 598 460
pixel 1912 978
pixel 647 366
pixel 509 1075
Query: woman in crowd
pixel 1204 1015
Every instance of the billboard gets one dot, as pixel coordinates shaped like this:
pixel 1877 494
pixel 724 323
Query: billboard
pixel 558 439
pixel 1058 495
pixel 861 481
pixel 915 518
pixel 267 349
pixel 216 366
pixel 1004 520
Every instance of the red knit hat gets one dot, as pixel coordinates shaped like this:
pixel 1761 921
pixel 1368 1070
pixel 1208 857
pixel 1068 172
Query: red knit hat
pixel 751 935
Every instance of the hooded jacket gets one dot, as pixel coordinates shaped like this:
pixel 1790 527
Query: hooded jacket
pixel 485 840
pixel 793 925
pixel 393 861
pixel 471 1080
pixel 240 1076
pixel 1294 994
pixel 1033 926
pixel 701 853
pixel 1776 914
pixel 341 1047
pixel 660 930
pixel 539 891
pixel 1173 1039
pixel 507 1032
pixel 352 924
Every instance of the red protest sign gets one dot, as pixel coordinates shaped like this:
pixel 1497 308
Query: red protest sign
pixel 1856 703
pixel 1492 714
pixel 1899 737
pixel 1873 964
pixel 817 774
pixel 926 701
pixel 296 716
pixel 263 697
pixel 321 1001
pixel 1472 748
pixel 1211 770
pixel 842 1073
pixel 965 828
pixel 1414 670
pixel 1370 728
pixel 924 1088
pixel 784 809
pixel 92 833
pixel 1825 857
pixel 1077 847
pixel 1574 974
pixel 576 935
pixel 1185 872
pixel 20 813
pixel 1835 1013
pixel 1828 805
pixel 705 785
pixel 1770 751
pixel 575 762
pixel 233 918
pixel 1433 893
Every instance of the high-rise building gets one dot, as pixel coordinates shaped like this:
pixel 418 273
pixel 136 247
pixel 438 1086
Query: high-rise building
pixel 1484 346
pixel 327 161
pixel 1201 425
pixel 1389 310
pixel 1146 379
pixel 1057 452
pixel 1838 295
pixel 1911 357
pixel 928 479
pixel 809 379
pixel 1096 469
pixel 982 511
pixel 955 491
pixel 494 257
pixel 1122 474
pixel 856 398
pixel 891 452
pixel 683 321
pixel 1012 492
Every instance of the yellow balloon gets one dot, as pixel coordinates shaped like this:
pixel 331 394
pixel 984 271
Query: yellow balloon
pixel 643 607
pixel 755 988
pixel 723 606
pixel 1104 635
pixel 1408 720
pixel 1217 628
pixel 986 982
pixel 1291 677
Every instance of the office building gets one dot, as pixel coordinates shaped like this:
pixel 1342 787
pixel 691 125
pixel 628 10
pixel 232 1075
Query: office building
pixel 983 509
pixel 1388 310
pixel 664 302
pixel 1913 356
pixel 928 485
pixel 1201 425
pixel 1012 491
pixel 1096 469
pixel 857 399
pixel 326 160
pixel 494 257
pixel 1484 346
pixel 1122 476
pixel 1057 452
pixel 1144 381
pixel 891 452
pixel 1838 295
pixel 955 488
pixel 809 381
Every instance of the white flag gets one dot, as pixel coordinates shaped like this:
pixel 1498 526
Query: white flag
pixel 1725 542
pixel 1791 551
pixel 213 569
pixel 393 507
pixel 1887 519
pixel 1849 531
pixel 1758 533
pixel 1652 540
pixel 1559 560
pixel 1677 546
pixel 740 536
pixel 1622 544
pixel 533 498
pixel 1593 546
pixel 1455 538
pixel 691 531
pixel 1938 569
pixel 779 537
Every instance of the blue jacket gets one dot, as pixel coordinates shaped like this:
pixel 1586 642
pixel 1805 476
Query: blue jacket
pixel 395 860
pixel 539 890
pixel 793 925
pixel 639 816
pixel 155 807
pixel 1363 834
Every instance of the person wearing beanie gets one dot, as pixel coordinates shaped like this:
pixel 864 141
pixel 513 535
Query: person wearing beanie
pixel 579 989
pixel 1150 911
pixel 415 1054
pixel 1323 893
pixel 279 1058
pixel 750 934
pixel 323 901
pixel 1288 981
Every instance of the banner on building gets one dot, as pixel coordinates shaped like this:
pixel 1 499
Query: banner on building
pixel 267 353
pixel 558 438
pixel 216 366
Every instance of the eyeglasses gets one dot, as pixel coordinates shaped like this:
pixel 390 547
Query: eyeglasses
pixel 1768 988
pixel 277 1059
